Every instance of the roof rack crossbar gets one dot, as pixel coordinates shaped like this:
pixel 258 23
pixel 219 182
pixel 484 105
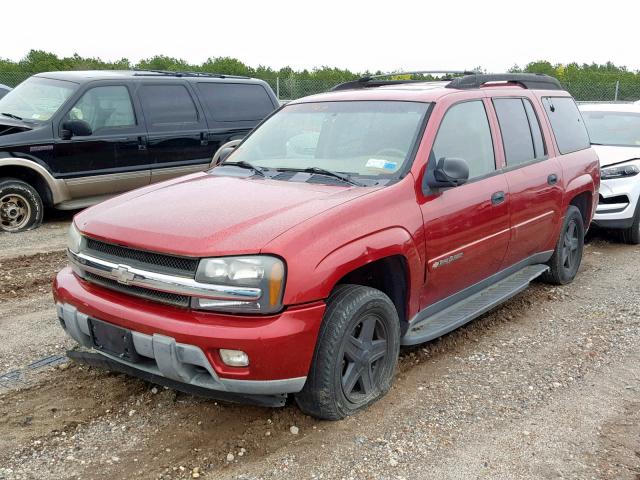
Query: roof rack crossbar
pixel 371 80
pixel 171 73
pixel 532 81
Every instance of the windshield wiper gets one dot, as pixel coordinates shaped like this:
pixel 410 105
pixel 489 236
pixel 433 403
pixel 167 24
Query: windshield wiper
pixel 248 166
pixel 327 173
pixel 11 115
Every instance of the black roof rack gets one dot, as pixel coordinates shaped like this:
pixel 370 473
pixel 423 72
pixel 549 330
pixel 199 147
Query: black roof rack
pixel 371 81
pixel 532 81
pixel 170 73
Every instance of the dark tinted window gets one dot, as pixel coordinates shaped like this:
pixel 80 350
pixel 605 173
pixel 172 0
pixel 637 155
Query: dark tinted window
pixel 229 102
pixel 168 104
pixel 464 133
pixel 566 122
pixel 516 133
pixel 538 142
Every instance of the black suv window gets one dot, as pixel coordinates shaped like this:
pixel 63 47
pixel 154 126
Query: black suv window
pixel 521 135
pixel 232 102
pixel 464 133
pixel 104 107
pixel 567 124
pixel 167 105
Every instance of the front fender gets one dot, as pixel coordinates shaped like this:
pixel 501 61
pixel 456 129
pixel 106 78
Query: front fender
pixel 393 241
pixel 57 187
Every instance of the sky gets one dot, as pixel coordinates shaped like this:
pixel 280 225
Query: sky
pixel 355 35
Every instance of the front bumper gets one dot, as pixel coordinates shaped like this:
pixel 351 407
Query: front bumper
pixel 182 345
pixel 614 210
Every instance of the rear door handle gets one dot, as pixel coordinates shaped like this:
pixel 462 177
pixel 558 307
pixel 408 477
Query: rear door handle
pixel 497 198
pixel 142 143
pixel 552 179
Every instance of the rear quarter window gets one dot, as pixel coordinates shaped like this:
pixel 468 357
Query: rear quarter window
pixel 567 124
pixel 235 102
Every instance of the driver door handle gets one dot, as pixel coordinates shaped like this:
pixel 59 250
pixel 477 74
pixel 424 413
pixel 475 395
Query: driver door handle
pixel 497 198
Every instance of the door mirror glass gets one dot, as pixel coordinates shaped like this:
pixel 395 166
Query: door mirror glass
pixel 224 151
pixel 449 172
pixel 224 154
pixel 76 128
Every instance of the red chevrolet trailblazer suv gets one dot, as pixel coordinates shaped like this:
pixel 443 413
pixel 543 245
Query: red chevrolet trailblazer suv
pixel 381 214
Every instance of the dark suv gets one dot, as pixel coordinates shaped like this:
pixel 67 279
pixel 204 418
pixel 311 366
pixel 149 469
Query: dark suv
pixel 71 139
pixel 347 224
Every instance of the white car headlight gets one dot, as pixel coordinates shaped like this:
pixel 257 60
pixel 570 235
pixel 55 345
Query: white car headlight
pixel 621 171
pixel 74 239
pixel 264 272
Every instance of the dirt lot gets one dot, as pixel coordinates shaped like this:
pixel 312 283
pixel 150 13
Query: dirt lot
pixel 547 386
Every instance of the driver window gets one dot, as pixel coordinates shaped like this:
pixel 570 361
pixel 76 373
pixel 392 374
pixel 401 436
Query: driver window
pixel 464 133
pixel 104 107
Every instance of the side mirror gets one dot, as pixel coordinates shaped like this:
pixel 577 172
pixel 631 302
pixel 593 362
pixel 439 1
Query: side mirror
pixel 223 152
pixel 75 128
pixel 449 172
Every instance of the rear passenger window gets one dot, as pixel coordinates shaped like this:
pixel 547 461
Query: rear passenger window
pixel 521 135
pixel 567 124
pixel 167 105
pixel 464 133
pixel 233 102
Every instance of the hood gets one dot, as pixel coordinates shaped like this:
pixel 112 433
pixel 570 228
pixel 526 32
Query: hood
pixel 203 215
pixel 610 155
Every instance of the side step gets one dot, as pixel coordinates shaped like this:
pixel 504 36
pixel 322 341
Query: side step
pixel 471 307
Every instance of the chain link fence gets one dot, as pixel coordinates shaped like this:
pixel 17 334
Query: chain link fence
pixel 12 79
pixel 605 89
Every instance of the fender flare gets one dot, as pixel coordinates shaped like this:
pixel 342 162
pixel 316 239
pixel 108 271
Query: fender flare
pixel 393 241
pixel 581 184
pixel 57 187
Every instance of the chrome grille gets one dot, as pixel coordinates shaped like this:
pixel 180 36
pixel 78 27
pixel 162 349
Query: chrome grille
pixel 155 295
pixel 183 266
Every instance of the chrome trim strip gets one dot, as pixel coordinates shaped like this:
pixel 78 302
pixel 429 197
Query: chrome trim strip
pixel 127 275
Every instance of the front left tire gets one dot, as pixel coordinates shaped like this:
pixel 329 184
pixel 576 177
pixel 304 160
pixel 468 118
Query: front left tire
pixel 20 206
pixel 356 354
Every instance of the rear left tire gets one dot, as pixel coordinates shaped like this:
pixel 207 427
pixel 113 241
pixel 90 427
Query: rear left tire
pixel 567 256
pixel 356 354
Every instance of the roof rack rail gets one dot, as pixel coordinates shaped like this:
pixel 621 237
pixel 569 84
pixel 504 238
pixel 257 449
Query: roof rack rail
pixel 371 80
pixel 532 81
pixel 170 73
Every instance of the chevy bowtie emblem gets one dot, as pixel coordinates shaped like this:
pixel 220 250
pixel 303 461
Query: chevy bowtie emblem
pixel 123 275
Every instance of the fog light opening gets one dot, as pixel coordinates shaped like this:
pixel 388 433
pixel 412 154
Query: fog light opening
pixel 234 358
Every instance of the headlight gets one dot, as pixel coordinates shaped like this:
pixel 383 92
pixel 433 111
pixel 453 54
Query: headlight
pixel 74 239
pixel 257 271
pixel 619 172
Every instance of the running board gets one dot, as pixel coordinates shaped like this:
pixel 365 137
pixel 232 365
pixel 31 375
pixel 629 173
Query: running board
pixel 471 307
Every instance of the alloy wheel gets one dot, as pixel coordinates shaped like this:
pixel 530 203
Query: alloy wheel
pixel 364 354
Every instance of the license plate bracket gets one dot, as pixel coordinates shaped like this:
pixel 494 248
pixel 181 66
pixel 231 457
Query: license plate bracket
pixel 112 339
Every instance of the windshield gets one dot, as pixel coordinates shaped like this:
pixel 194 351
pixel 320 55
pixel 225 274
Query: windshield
pixel 36 98
pixel 362 138
pixel 613 128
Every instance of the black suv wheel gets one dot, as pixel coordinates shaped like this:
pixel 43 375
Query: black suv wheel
pixel 20 206
pixel 567 256
pixel 356 353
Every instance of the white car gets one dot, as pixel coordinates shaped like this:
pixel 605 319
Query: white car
pixel 4 90
pixel 615 135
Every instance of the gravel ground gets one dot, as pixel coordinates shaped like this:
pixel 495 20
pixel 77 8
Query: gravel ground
pixel 546 386
pixel 51 236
